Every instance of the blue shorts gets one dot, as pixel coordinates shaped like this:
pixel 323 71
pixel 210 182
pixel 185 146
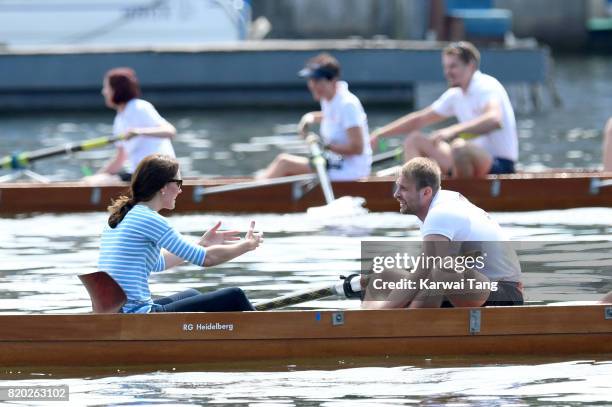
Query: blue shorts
pixel 125 176
pixel 502 166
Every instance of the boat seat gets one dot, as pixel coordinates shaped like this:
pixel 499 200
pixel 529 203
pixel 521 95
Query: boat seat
pixel 107 297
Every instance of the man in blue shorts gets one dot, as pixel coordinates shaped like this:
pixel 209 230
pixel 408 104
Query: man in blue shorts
pixel 484 141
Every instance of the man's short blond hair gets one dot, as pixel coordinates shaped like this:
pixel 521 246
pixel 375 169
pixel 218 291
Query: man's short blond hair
pixel 424 172
pixel 465 51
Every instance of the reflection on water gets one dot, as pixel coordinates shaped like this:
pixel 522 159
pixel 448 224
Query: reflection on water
pixel 565 271
pixel 432 382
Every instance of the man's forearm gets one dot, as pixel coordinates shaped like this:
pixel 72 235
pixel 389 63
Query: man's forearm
pixel 405 124
pixel 481 125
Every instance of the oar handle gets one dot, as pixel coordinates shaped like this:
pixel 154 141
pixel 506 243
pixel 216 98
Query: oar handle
pixel 351 287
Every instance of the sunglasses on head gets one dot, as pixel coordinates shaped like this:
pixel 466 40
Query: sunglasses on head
pixel 179 182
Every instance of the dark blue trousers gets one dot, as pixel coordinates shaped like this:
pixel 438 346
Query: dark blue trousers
pixel 225 299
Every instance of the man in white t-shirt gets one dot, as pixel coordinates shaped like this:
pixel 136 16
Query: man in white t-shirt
pixel 343 126
pixel 484 141
pixel 453 226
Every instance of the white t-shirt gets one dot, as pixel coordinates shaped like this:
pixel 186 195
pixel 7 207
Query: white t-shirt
pixel 453 216
pixel 339 114
pixel 140 113
pixel 501 143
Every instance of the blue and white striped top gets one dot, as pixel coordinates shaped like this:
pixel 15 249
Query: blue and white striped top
pixel 132 250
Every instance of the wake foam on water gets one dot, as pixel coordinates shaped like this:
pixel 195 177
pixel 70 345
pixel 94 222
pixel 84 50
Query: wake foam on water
pixel 346 206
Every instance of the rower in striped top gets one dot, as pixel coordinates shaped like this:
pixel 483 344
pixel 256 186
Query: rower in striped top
pixel 138 241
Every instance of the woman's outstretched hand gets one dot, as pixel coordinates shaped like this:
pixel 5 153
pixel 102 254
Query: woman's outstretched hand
pixel 228 246
pixel 214 237
pixel 252 238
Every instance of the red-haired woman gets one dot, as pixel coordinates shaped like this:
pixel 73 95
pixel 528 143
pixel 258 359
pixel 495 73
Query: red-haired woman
pixel 145 130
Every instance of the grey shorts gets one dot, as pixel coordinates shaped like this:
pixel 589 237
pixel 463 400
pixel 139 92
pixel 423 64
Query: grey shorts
pixel 508 293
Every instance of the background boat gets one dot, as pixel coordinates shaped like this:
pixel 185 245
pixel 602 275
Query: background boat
pixel 520 192
pixel 35 23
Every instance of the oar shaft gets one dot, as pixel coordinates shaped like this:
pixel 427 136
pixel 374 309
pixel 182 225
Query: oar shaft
pixel 391 155
pixel 320 166
pixel 348 287
pixel 22 160
pixel 296 298
pixel 237 186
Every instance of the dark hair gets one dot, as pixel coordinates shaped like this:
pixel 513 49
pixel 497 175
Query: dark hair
pixel 324 66
pixel 466 51
pixel 153 172
pixel 424 172
pixel 124 83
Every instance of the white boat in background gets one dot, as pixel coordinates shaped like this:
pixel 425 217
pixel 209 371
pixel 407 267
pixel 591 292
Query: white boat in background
pixel 125 23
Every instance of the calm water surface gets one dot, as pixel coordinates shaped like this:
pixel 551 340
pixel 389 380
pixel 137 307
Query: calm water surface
pixel 40 256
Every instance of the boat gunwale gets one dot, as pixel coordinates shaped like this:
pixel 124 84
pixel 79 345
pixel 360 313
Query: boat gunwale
pixel 217 181
pixel 309 324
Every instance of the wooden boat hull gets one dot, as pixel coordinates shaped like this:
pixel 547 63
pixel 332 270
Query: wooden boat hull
pixel 188 338
pixel 522 192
